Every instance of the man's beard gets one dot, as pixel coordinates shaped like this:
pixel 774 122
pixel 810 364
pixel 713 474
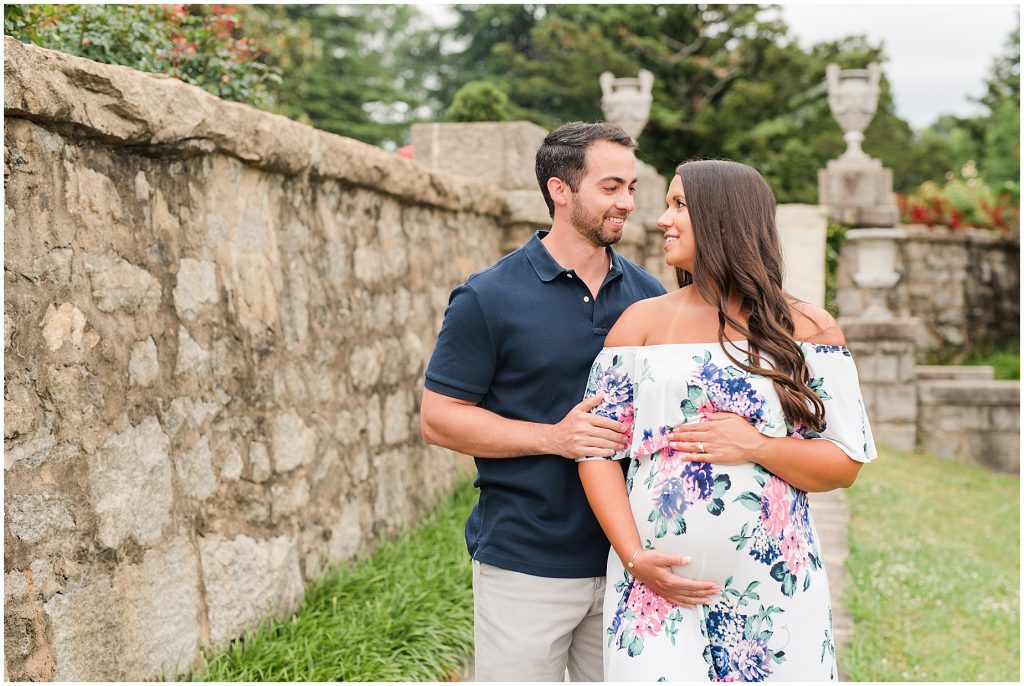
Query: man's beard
pixel 591 226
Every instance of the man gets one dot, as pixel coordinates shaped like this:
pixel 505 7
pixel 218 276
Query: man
pixel 504 384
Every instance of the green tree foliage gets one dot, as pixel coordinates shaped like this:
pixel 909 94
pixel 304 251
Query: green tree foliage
pixel 206 45
pixel 370 78
pixel 729 81
pixel 479 101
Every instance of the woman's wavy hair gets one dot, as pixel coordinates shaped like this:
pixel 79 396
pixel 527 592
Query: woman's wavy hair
pixel 732 211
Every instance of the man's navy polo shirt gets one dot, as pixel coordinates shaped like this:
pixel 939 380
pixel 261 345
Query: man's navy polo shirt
pixel 519 339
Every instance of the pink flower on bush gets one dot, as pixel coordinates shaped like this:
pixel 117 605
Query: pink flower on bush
pixel 775 506
pixel 649 610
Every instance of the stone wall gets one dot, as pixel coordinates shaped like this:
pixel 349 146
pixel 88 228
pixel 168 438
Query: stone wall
pixel 966 415
pixel 963 287
pixel 215 328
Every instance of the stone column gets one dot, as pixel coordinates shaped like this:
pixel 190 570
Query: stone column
pixel 802 232
pixel 856 188
pixel 884 352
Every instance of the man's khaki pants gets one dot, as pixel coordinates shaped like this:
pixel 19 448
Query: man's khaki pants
pixel 531 628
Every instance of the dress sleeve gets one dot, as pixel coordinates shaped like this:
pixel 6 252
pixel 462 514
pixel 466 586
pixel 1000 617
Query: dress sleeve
pixel 613 375
pixel 834 379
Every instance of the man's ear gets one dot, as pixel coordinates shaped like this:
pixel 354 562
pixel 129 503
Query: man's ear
pixel 559 191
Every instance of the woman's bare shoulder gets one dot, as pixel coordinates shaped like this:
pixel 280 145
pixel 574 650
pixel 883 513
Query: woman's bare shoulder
pixel 815 325
pixel 636 322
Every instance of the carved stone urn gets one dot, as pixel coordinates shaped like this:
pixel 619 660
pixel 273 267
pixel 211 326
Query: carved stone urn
pixel 876 268
pixel 627 101
pixel 853 99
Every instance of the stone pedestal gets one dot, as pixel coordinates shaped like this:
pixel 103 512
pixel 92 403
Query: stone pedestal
pixel 884 354
pixel 802 232
pixel 859 192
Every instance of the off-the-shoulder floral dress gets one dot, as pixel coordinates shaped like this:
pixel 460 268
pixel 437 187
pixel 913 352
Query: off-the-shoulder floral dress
pixel 743 527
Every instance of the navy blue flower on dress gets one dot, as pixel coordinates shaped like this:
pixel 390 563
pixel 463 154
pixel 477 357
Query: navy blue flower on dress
pixel 751 659
pixel 618 392
pixel 700 480
pixel 671 499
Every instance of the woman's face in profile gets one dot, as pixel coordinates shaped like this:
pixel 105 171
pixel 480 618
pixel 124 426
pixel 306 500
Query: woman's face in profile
pixel 680 248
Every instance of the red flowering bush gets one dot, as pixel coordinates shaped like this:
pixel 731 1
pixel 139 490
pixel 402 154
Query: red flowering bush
pixel 963 201
pixel 200 44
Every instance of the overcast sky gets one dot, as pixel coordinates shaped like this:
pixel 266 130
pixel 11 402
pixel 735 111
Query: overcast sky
pixel 939 54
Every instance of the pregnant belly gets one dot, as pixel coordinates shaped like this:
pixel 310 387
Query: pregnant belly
pixel 702 512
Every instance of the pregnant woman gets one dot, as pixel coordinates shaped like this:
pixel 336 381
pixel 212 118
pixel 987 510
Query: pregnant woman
pixel 738 399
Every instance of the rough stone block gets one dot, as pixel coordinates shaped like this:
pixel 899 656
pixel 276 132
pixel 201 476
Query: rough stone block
pixel 118 285
pixel 944 444
pixel 247 580
pixel 62 325
pixel 894 403
pixel 43 579
pixel 195 470
pixel 157 611
pixel 39 516
pixel 288 498
pixel 1005 418
pixel 39 449
pixel 15 587
pixel 949 417
pixel 259 462
pixel 397 408
pixel 143 365
pixel 292 442
pixel 22 411
pixel 996 449
pixel 196 288
pixel 895 435
pixel 85 631
pixel 346 533
pixel 192 360
pixel 130 482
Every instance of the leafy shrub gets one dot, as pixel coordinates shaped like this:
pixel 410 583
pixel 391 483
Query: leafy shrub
pixel 479 101
pixel 203 45
pixel 964 200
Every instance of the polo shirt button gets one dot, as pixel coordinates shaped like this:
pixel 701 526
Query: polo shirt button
pixel 586 298
pixel 569 275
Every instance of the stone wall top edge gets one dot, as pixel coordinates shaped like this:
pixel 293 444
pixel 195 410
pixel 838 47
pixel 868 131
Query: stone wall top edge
pixel 944 234
pixel 116 105
pixel 972 392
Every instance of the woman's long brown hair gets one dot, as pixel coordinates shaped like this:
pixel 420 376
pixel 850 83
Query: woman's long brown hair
pixel 738 254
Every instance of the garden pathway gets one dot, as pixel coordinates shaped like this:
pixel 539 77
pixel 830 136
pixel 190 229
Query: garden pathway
pixel 831 518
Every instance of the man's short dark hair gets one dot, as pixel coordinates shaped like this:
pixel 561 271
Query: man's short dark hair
pixel 563 155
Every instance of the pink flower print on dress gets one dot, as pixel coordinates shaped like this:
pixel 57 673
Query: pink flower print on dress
pixel 776 515
pixel 649 610
pixel 795 551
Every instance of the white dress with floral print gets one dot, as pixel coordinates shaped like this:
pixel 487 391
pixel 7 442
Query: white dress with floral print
pixel 743 528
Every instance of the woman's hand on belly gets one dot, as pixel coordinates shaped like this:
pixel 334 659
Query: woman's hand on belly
pixel 654 569
pixel 726 439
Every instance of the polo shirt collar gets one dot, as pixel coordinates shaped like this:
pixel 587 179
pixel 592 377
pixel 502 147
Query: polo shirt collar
pixel 546 266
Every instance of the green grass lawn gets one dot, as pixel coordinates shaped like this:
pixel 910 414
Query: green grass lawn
pixel 935 572
pixel 404 614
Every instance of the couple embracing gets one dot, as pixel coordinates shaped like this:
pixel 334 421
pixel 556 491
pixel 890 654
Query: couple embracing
pixel 644 458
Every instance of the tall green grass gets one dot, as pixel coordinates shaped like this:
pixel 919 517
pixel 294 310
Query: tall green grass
pixel 404 614
pixel 935 571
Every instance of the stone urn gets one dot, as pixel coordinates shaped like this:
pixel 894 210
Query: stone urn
pixel 627 101
pixel 876 268
pixel 853 99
